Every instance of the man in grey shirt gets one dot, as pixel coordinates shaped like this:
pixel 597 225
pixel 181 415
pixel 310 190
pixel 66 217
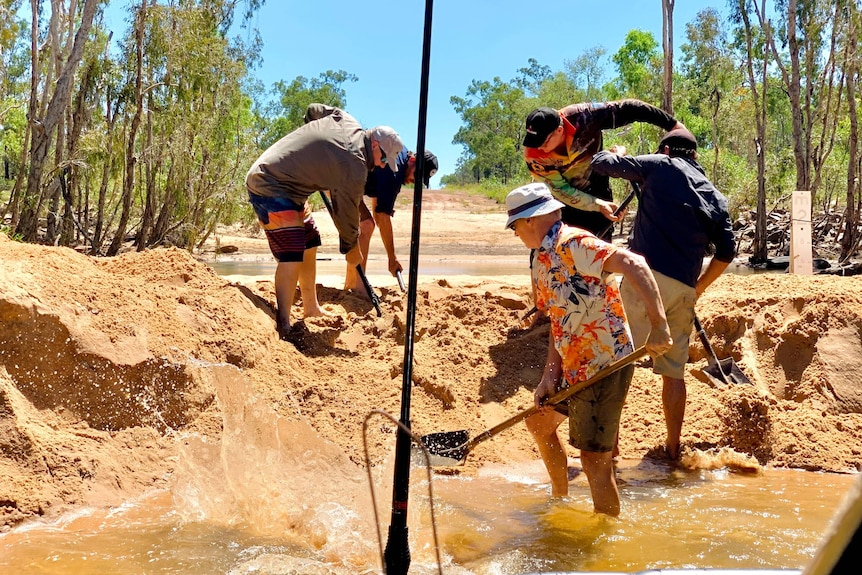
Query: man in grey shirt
pixel 331 153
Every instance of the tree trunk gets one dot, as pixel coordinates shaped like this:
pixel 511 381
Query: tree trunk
pixel 793 85
pixel 759 250
pixel 131 160
pixel 851 215
pixel 667 44
pixel 39 147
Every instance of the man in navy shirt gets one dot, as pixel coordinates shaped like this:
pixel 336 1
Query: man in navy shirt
pixel 383 186
pixel 680 213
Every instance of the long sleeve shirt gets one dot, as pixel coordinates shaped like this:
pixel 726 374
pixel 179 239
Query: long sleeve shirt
pixel 331 153
pixel 680 212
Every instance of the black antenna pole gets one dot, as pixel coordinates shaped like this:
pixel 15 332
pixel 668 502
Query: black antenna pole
pixel 397 554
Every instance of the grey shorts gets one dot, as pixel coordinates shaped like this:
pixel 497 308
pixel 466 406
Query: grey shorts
pixel 594 413
pixel 678 299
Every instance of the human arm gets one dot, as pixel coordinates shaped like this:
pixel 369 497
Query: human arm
pixel 715 268
pixel 550 375
pixel 630 110
pixel 635 270
pixel 384 224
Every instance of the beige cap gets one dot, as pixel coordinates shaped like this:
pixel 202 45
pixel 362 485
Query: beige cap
pixel 390 142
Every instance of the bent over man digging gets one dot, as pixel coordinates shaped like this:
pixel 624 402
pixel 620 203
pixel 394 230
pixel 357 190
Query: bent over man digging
pixel 332 153
pixel 572 273
pixel 680 213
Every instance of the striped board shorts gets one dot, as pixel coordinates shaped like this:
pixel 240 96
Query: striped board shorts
pixel 289 226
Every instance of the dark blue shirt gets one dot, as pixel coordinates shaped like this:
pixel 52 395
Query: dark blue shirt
pixel 679 213
pixel 385 185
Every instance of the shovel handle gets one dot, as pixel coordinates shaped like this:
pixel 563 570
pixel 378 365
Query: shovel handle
pixel 710 353
pixel 558 397
pixel 375 301
pixel 620 208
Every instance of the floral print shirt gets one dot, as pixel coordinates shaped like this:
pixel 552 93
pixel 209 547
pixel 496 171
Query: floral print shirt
pixel 588 323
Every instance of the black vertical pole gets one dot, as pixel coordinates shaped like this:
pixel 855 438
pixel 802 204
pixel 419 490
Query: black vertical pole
pixel 397 554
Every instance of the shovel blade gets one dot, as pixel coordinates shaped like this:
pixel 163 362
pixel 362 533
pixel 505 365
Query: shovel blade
pixel 446 448
pixel 725 373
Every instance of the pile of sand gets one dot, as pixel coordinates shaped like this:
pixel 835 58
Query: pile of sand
pixel 100 362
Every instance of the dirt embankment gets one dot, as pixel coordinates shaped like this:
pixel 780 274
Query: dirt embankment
pixel 100 363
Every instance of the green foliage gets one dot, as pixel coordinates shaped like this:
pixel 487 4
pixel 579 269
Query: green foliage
pixel 493 118
pixel 638 64
pixel 287 112
pixel 586 73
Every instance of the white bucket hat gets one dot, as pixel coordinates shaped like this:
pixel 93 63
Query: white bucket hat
pixel 531 200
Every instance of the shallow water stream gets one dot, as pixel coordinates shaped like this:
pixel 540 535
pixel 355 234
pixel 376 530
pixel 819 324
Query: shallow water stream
pixel 271 496
pixel 500 522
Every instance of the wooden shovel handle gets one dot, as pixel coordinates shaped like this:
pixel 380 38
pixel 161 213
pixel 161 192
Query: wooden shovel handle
pixel 558 397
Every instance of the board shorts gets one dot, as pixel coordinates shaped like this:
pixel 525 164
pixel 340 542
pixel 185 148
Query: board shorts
pixel 385 199
pixel 594 413
pixel 289 226
pixel 678 299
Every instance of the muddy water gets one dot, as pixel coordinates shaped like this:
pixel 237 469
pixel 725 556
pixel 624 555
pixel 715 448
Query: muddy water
pixel 501 523
pixel 273 497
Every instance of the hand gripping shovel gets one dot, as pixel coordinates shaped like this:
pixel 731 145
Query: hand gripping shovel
pixel 719 372
pixel 375 301
pixel 450 448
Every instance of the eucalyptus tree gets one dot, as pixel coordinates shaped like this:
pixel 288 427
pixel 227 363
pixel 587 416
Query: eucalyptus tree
pixel 586 72
pixel 711 76
pixel 492 115
pixel 667 48
pixel 186 123
pixel 46 109
pixel 638 63
pixel 851 237
pixel 754 40
pixel 287 111
pixel 809 29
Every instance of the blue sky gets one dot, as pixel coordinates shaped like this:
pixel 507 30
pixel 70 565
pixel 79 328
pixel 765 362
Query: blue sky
pixel 381 43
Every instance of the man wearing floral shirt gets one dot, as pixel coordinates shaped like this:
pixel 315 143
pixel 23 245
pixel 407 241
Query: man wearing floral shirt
pixel 573 276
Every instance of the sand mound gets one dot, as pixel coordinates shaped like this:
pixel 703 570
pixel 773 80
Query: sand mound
pixel 100 363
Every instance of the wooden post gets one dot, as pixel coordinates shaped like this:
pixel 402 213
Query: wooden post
pixel 801 255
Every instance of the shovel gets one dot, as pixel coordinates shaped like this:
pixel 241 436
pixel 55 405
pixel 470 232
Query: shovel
pixel 449 448
pixel 375 300
pixel 719 372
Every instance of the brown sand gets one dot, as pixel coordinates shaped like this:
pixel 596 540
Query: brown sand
pixel 100 363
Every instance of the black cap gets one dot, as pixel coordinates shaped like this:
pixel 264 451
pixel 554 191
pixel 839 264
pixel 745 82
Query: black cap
pixel 678 139
pixel 430 167
pixel 540 123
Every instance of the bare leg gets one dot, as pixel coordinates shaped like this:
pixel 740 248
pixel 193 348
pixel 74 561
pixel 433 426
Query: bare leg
pixel 543 427
pixel 351 278
pixel 286 276
pixel 308 286
pixel 599 468
pixel 673 397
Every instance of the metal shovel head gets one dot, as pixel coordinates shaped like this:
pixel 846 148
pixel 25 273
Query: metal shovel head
pixel 446 448
pixel 725 373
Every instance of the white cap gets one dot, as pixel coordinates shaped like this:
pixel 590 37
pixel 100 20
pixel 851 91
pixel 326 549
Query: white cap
pixel 390 143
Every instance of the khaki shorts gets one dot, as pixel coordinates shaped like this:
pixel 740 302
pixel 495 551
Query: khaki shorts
pixel 594 413
pixel 678 299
